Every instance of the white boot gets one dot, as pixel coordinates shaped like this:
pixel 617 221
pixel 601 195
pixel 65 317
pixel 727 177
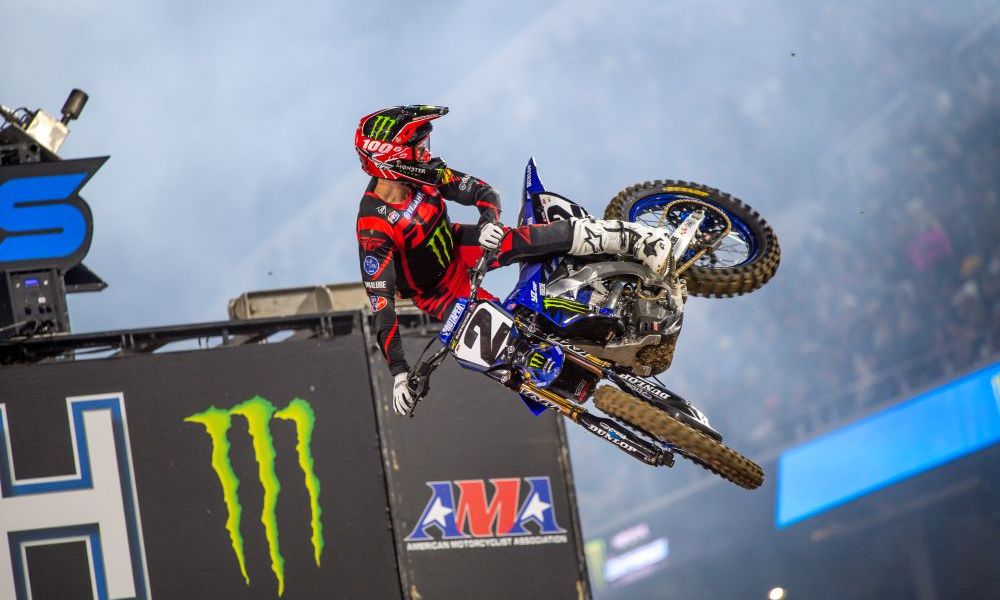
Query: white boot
pixel 650 245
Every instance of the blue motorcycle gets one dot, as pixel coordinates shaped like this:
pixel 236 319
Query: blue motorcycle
pixel 572 322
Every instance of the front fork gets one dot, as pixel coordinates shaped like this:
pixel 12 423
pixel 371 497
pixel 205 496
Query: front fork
pixel 606 429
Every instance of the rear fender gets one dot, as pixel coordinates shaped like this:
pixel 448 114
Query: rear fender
pixel 532 185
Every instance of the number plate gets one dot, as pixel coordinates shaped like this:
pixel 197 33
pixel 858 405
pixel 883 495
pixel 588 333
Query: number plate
pixel 484 337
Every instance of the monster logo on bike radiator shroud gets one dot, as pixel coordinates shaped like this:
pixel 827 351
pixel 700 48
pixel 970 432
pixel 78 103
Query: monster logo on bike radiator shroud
pixel 572 322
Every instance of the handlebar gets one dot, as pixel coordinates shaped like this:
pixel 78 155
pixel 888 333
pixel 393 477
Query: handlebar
pixel 418 379
pixel 477 272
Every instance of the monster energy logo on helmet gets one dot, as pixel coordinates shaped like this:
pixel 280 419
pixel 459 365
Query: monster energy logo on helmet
pixel 381 127
pixel 258 413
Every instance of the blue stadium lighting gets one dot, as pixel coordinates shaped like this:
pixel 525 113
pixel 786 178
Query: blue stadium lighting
pixel 936 427
pixel 637 560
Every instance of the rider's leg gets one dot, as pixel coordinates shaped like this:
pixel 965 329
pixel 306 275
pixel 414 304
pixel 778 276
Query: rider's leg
pixel 575 236
pixel 440 301
pixel 651 245
pixel 518 243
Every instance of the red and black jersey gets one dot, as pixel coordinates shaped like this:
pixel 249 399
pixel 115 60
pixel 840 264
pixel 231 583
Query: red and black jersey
pixel 407 248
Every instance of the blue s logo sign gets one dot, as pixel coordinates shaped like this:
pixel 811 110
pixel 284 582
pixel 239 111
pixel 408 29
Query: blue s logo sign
pixel 43 220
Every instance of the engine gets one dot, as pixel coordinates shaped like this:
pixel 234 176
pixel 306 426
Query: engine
pixel 645 310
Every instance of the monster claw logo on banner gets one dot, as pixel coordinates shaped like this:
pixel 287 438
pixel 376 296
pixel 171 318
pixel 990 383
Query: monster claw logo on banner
pixel 258 413
pixel 474 523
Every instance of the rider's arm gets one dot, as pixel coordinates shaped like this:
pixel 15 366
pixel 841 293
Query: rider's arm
pixel 470 191
pixel 375 251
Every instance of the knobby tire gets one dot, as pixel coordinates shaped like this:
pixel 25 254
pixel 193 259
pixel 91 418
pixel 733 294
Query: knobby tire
pixel 691 443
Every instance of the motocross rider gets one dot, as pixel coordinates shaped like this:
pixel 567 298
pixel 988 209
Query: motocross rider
pixel 408 246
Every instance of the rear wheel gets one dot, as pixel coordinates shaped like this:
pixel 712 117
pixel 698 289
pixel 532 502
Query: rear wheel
pixel 745 259
pixel 689 442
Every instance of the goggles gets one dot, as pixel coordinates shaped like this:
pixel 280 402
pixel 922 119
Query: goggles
pixel 422 150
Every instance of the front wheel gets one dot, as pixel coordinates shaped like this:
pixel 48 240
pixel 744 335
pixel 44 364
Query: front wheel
pixel 745 259
pixel 689 442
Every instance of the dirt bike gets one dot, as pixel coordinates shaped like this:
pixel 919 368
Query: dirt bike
pixel 571 322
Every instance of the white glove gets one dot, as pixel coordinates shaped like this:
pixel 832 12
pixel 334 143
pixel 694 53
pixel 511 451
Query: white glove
pixel 490 235
pixel 402 399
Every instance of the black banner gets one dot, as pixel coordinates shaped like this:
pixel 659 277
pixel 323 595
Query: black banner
pixel 480 492
pixel 245 472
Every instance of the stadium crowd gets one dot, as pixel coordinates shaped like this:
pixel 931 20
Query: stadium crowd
pixel 898 287
pixel 890 285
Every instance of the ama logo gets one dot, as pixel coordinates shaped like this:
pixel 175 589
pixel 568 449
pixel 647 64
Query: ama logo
pixel 476 516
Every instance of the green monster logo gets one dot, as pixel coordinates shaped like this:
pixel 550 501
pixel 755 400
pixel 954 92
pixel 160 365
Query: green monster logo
pixel 381 127
pixel 258 413
pixel 564 304
pixel 536 361
pixel 441 242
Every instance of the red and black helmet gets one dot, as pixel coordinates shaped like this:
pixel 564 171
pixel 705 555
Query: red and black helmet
pixel 394 143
